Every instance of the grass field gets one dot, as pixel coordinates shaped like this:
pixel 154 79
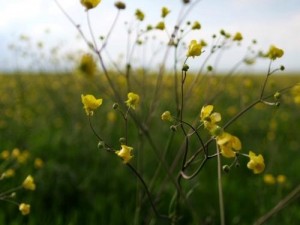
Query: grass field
pixel 81 184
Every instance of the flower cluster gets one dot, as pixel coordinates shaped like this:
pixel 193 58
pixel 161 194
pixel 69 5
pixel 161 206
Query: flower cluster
pixel 270 179
pixel 229 144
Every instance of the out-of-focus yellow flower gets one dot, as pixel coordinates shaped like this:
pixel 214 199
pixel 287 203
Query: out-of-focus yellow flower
pixel 90 103
pixel 166 116
pixel 281 179
pixel 24 208
pixel 133 100
pixel 196 26
pixel 139 15
pixel 256 163
pixel 38 163
pixel 164 12
pixel 125 153
pixel 275 52
pixel 15 153
pixel 194 49
pixel 296 93
pixel 238 36
pixel 209 118
pixel 28 183
pixel 89 4
pixel 88 65
pixel 229 144
pixel 9 173
pixel 269 179
pixel 111 116
pixel 160 26
pixel 23 157
pixel 5 154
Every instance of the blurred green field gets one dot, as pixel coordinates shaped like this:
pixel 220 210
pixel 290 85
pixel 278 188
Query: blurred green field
pixel 80 184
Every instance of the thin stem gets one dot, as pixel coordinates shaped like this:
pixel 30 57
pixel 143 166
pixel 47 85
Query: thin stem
pixel 91 30
pixel 220 188
pixel 147 192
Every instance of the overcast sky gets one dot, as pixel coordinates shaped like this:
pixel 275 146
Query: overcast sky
pixel 268 21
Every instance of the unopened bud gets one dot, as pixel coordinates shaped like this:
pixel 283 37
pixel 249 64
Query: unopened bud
pixel 115 105
pixel 122 140
pixel 101 145
pixel 277 95
pixel 173 128
pixel 185 67
pixel 226 168
pixel 282 68
pixel 120 5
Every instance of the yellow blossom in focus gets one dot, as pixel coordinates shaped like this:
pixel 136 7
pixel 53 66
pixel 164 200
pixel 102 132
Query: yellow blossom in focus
pixel 238 36
pixel 274 52
pixel 269 179
pixel 89 4
pixel 24 208
pixel 209 118
pixel 166 116
pixel 90 103
pixel 281 179
pixel 228 144
pixel 28 183
pixel 196 26
pixel 125 153
pixel 256 163
pixel 139 15
pixel 194 49
pixel 160 26
pixel 164 12
pixel 133 100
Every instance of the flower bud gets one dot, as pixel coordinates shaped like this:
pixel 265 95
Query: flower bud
pixel 115 106
pixel 277 95
pixel 226 168
pixel 185 67
pixel 120 5
pixel 101 145
pixel 122 140
pixel 173 128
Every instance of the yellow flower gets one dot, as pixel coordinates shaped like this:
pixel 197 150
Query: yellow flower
pixel 88 65
pixel 139 15
pixel 296 93
pixel 238 36
pixel 194 49
pixel 196 26
pixel 229 144
pixel 5 154
pixel 90 103
pixel 160 26
pixel 28 183
pixel 164 12
pixel 269 179
pixel 208 118
pixel 281 179
pixel 275 52
pixel 256 163
pixel 133 100
pixel 38 163
pixel 24 208
pixel 89 4
pixel 125 153
pixel 15 153
pixel 9 173
pixel 166 116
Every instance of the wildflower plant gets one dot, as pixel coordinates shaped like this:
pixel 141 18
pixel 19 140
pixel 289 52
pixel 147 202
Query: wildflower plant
pixel 11 163
pixel 206 138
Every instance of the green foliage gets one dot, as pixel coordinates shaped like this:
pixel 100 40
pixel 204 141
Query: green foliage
pixel 80 184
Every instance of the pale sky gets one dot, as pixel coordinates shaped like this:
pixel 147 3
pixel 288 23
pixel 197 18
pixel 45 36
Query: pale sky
pixel 268 21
